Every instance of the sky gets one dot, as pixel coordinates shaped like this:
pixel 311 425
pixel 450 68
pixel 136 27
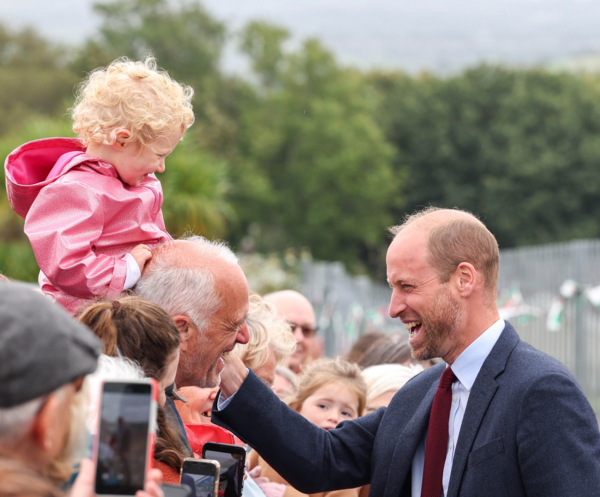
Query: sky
pixel 415 35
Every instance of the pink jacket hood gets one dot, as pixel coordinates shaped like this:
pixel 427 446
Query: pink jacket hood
pixel 36 164
pixel 80 218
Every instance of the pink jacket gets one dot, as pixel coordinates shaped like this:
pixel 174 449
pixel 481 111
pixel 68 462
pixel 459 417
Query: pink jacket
pixel 81 219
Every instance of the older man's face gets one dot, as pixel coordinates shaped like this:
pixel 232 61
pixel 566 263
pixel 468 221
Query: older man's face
pixel 299 313
pixel 201 362
pixel 426 306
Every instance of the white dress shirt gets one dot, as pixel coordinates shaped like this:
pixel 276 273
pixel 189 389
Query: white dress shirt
pixel 133 271
pixel 466 368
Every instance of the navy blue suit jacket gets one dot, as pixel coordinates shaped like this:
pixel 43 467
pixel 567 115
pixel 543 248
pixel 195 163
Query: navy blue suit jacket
pixel 528 430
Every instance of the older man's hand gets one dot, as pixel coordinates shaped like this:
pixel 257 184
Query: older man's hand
pixel 233 375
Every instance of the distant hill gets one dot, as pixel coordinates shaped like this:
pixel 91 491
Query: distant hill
pixel 585 63
pixel 437 35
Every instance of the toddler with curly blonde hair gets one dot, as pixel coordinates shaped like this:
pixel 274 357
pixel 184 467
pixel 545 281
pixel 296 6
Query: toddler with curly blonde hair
pixel 92 205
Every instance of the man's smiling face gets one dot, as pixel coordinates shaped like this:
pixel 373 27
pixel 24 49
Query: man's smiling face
pixel 201 362
pixel 426 306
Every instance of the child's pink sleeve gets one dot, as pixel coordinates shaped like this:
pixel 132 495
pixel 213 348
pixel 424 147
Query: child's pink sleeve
pixel 63 225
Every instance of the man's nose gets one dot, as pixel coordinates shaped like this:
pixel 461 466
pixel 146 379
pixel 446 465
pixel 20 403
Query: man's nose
pixel 243 334
pixel 298 335
pixel 397 305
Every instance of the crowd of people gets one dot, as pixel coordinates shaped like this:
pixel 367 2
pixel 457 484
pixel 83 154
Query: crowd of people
pixel 119 299
pixel 130 338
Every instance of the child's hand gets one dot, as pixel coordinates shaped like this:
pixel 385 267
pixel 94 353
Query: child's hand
pixel 141 254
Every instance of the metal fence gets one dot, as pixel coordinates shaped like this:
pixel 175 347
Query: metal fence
pixel 346 306
pixel 538 273
pixel 529 285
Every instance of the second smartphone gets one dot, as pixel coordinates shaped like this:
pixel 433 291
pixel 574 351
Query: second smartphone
pixel 201 476
pixel 232 459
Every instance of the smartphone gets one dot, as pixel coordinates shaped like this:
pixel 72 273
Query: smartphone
pixel 124 445
pixel 232 459
pixel 201 476
pixel 177 490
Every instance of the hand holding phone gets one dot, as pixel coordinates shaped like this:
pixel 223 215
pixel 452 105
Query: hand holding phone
pixel 84 484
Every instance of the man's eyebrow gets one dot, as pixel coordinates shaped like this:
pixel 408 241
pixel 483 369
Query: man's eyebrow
pixel 239 323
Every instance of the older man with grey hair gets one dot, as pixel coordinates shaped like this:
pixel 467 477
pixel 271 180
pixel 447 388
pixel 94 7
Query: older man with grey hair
pixel 44 356
pixel 200 284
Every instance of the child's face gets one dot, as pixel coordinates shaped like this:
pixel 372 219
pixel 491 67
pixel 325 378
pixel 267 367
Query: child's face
pixel 134 166
pixel 329 405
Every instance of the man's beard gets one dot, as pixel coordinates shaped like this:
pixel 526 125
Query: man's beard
pixel 438 324
pixel 192 365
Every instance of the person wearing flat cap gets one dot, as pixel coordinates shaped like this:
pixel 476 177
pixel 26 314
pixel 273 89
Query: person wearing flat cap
pixel 44 356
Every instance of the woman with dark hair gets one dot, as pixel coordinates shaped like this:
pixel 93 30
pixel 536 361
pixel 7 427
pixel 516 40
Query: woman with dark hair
pixel 391 349
pixel 361 345
pixel 139 330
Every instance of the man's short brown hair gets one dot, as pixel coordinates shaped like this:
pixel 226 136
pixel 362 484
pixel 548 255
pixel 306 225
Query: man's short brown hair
pixel 462 239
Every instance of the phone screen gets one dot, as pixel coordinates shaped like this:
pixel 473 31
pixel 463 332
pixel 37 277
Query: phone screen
pixel 123 438
pixel 231 479
pixel 200 477
pixel 176 490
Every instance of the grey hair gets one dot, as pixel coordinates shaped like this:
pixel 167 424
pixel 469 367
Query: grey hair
pixel 186 290
pixel 109 368
pixel 16 421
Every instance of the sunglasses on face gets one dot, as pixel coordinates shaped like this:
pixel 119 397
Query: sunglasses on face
pixel 307 331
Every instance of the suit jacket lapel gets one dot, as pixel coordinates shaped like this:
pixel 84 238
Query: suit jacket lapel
pixel 407 442
pixel 483 391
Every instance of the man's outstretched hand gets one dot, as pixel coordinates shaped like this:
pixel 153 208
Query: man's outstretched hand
pixel 233 375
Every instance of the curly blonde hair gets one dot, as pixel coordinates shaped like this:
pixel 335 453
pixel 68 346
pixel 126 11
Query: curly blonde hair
pixel 268 332
pixel 136 96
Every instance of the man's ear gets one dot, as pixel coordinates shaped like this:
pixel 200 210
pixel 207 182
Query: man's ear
pixel 122 140
pixel 466 278
pixel 44 423
pixel 186 330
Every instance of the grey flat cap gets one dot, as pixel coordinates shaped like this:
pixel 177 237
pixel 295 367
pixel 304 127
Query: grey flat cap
pixel 41 346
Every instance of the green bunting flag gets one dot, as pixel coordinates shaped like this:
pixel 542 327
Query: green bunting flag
pixel 556 314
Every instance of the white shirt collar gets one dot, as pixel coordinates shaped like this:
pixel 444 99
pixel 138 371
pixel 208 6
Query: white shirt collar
pixel 467 365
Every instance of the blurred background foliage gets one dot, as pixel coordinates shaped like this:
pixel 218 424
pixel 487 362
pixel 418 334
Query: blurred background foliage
pixel 306 155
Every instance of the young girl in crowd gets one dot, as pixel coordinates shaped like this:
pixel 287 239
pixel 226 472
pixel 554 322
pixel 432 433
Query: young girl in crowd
pixel 330 391
pixel 141 331
pixel 92 205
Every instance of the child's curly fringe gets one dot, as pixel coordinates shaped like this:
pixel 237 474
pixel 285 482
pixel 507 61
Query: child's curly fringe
pixel 136 96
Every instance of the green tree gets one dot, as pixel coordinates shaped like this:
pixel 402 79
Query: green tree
pixel 34 78
pixel 326 159
pixel 195 186
pixel 518 147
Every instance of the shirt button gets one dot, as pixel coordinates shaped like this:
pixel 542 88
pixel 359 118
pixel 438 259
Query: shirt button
pixel 455 398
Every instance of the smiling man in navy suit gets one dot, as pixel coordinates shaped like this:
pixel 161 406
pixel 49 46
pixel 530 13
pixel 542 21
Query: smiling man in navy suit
pixel 499 418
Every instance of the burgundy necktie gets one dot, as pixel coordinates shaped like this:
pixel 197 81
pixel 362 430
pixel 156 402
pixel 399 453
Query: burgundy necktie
pixel 436 446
